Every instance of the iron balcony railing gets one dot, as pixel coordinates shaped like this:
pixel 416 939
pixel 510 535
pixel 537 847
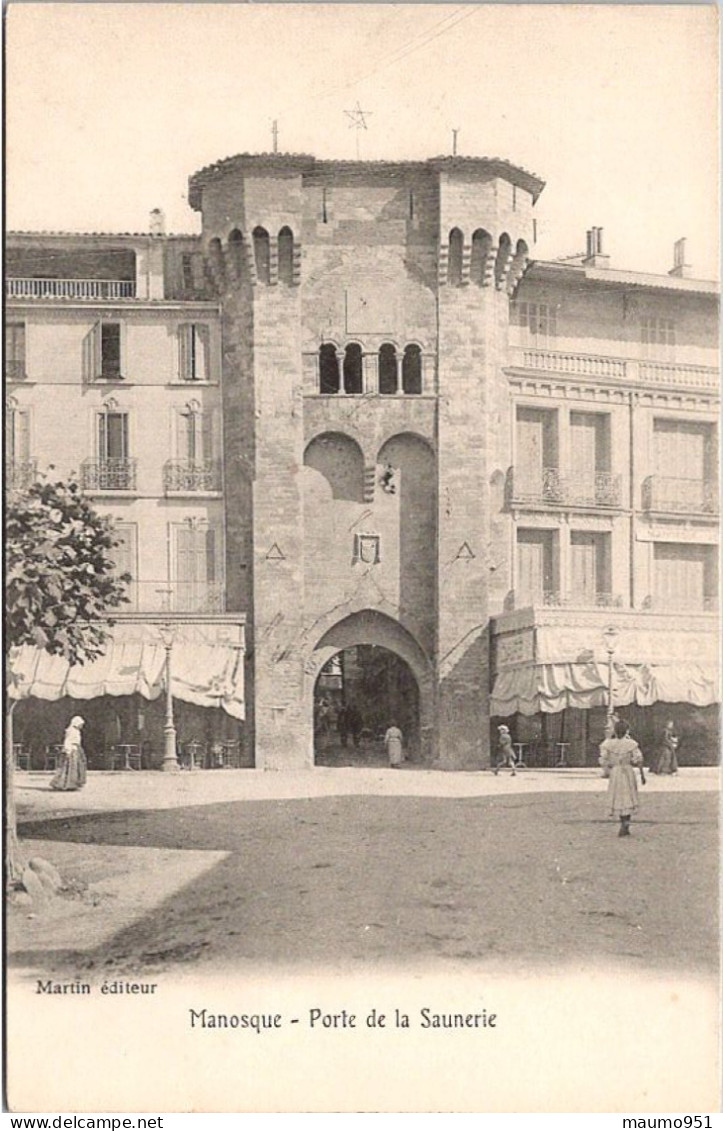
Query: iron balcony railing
pixel 554 599
pixel 680 496
pixel 70 288
pixel 185 476
pixel 19 474
pixel 15 370
pixel 599 489
pixel 175 597
pixel 108 474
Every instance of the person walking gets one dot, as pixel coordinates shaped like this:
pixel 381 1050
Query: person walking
pixel 394 745
pixel 507 751
pixel 620 755
pixel 72 771
pixel 667 761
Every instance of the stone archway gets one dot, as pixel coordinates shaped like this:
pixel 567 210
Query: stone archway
pixel 369 627
pixel 359 693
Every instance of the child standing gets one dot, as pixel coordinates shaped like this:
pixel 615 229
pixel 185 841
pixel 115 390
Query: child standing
pixel 620 755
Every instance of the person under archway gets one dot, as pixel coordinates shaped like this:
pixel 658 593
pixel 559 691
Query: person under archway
pixel 394 745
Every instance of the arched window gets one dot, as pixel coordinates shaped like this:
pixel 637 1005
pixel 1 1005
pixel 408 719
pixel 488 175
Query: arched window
pixel 412 370
pixel 328 369
pixel 215 255
pixel 519 263
pixel 236 252
pixel 353 368
pixel 262 255
pixel 387 369
pixel 286 256
pixel 454 269
pixel 481 243
pixel 504 253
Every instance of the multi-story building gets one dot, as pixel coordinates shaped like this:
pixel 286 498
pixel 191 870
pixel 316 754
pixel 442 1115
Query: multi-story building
pixel 113 376
pixel 421 464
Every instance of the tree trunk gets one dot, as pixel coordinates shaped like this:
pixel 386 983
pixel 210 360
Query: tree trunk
pixel 13 862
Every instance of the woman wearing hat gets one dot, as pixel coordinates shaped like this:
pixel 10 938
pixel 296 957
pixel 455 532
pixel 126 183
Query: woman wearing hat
pixel 507 753
pixel 71 773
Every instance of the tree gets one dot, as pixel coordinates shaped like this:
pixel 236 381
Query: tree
pixel 61 583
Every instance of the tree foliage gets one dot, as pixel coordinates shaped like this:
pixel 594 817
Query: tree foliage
pixel 61 574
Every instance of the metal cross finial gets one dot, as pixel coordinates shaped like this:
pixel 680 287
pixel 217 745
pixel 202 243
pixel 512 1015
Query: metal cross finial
pixel 275 135
pixel 357 121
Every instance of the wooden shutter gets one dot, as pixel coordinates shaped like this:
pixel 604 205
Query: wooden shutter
pixel 205 438
pixel 532 569
pixel 200 352
pixel 680 575
pixel 184 351
pixel 584 565
pixel 92 356
pixel 583 437
pixel 18 435
pixel 530 451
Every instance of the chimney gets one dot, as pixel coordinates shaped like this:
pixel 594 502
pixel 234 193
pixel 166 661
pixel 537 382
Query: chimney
pixel 594 256
pixel 157 223
pixel 680 269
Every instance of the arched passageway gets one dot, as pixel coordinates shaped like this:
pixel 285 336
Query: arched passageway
pixel 360 692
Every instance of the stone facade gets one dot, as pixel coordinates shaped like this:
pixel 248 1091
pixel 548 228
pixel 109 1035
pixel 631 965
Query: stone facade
pixel 387 362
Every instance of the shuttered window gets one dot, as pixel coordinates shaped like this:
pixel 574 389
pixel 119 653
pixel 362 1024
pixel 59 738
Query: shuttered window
pixel 193 343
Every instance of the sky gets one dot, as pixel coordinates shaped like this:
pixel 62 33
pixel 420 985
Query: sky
pixel 110 108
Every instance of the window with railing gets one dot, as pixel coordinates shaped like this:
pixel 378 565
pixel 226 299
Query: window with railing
pixel 684 577
pixel 536 477
pixel 113 469
pixel 590 568
pixel 688 450
pixel 195 468
pixel 537 567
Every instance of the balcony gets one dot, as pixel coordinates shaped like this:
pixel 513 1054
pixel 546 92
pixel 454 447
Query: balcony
pixel 108 474
pixel 553 599
pixel 90 289
pixel 631 371
pixel 599 489
pixel 19 474
pixel 15 371
pixel 190 477
pixel 680 496
pixel 175 597
pixel 576 364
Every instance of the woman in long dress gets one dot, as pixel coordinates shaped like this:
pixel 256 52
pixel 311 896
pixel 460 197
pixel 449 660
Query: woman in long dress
pixel 394 745
pixel 71 773
pixel 667 762
pixel 620 755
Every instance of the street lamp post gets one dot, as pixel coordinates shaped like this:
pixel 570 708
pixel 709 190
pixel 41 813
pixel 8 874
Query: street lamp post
pixel 610 636
pixel 170 759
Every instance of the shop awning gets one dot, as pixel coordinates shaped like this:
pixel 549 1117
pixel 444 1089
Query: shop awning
pixel 209 674
pixel 552 687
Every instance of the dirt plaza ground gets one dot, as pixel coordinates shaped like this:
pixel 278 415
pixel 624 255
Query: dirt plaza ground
pixel 352 868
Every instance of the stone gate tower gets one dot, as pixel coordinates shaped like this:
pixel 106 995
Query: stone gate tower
pixel 365 313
